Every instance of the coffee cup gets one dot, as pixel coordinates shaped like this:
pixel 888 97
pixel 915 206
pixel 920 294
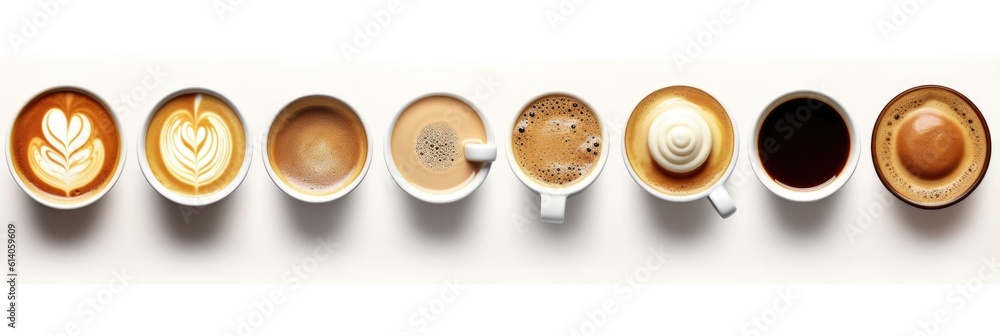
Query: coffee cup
pixel 317 149
pixel 66 148
pixel 804 146
pixel 557 148
pixel 439 148
pixel 681 145
pixel 195 147
pixel 931 146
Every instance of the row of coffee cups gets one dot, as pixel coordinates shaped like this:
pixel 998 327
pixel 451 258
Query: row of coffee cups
pixel 930 146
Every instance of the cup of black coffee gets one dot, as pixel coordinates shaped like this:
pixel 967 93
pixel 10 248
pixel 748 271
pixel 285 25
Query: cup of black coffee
pixel 804 146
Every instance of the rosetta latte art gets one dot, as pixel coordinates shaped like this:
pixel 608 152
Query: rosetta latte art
pixel 195 145
pixel 68 157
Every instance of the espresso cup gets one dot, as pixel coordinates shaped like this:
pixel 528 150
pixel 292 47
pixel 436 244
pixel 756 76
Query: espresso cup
pixel 804 146
pixel 439 148
pixel 557 148
pixel 195 147
pixel 317 149
pixel 681 145
pixel 66 148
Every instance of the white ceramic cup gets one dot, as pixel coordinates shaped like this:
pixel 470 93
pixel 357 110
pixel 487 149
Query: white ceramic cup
pixel 813 194
pixel 310 198
pixel 716 194
pixel 476 152
pixel 553 200
pixel 114 176
pixel 186 199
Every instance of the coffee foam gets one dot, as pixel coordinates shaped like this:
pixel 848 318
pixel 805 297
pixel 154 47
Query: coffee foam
pixel 438 146
pixel 65 146
pixel 195 144
pixel 646 168
pixel 930 181
pixel 317 145
pixel 428 134
pixel 557 140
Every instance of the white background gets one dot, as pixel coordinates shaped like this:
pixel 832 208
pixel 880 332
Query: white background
pixel 201 270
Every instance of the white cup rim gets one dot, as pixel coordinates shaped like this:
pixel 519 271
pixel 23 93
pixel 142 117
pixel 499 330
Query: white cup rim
pixel 184 199
pixel 309 198
pixel 704 193
pixel 421 194
pixel 560 191
pixel 814 194
pixel 122 150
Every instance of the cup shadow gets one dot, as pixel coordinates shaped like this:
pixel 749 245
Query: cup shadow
pixel 805 219
pixel 441 222
pixel 194 225
pixel 934 225
pixel 318 220
pixel 685 221
pixel 65 226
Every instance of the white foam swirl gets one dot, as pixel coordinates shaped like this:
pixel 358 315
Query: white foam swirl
pixel 679 138
pixel 195 145
pixel 67 158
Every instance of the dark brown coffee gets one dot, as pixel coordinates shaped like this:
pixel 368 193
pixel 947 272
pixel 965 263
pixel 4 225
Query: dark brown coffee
pixel 804 143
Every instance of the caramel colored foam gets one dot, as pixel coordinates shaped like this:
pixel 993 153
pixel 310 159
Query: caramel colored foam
pixel 65 146
pixel 930 146
pixel 557 140
pixel 195 144
pixel 428 143
pixel 661 180
pixel 317 145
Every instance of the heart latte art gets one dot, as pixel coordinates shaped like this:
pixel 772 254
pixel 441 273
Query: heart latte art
pixel 66 156
pixel 195 144
pixel 65 147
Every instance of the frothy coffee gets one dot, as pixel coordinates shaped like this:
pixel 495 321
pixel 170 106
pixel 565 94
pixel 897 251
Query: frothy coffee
pixel 428 143
pixel 317 145
pixel 65 146
pixel 195 144
pixel 557 140
pixel 680 102
pixel 931 146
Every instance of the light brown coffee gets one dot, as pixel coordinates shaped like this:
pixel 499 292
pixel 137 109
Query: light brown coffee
pixel 195 144
pixel 428 143
pixel 931 146
pixel 65 146
pixel 557 140
pixel 666 182
pixel 317 145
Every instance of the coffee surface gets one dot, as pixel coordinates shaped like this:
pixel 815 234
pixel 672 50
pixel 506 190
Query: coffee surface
pixel 670 183
pixel 804 143
pixel 428 143
pixel 930 146
pixel 557 140
pixel 317 145
pixel 195 144
pixel 65 146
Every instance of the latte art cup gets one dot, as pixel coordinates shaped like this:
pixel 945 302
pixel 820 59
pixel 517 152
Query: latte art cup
pixel 553 199
pixel 197 130
pixel 813 193
pixel 474 152
pixel 111 179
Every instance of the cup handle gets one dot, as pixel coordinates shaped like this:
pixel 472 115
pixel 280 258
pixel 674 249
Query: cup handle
pixel 478 152
pixel 553 208
pixel 722 202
